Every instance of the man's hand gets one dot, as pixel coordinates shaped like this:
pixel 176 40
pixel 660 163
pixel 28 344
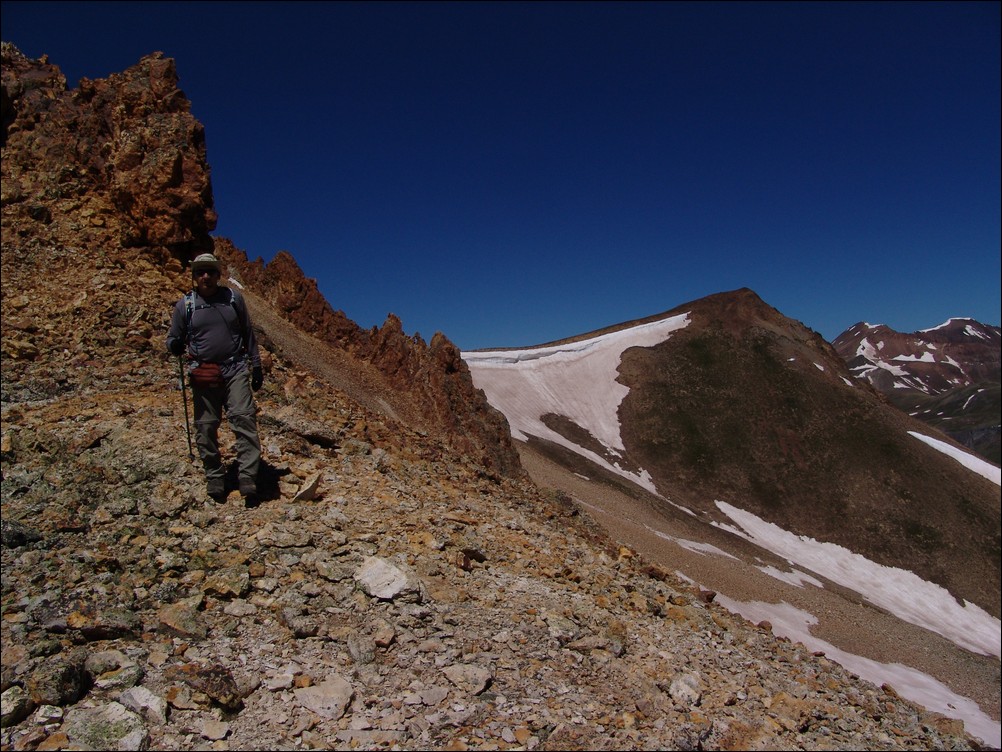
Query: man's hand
pixel 257 378
pixel 176 346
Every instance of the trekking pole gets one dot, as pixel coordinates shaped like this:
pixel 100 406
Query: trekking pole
pixel 184 396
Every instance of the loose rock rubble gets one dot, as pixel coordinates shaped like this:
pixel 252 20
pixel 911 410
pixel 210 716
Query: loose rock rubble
pixel 403 603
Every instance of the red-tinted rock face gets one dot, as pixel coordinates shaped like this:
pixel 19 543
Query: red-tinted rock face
pixel 123 154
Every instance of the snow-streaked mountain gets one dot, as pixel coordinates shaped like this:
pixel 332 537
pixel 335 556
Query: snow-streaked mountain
pixel 957 353
pixel 725 399
pixel 722 423
pixel 947 376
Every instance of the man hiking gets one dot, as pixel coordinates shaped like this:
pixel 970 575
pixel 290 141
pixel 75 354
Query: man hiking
pixel 211 322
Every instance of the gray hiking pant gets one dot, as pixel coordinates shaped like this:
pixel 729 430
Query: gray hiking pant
pixel 237 400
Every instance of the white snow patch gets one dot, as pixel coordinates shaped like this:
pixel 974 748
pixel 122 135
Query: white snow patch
pixel 576 380
pixel 694 546
pixel 950 361
pixel 795 578
pixel 899 591
pixel 975 464
pixel 941 326
pixel 926 357
pixel 971 398
pixel 970 331
pixel 870 353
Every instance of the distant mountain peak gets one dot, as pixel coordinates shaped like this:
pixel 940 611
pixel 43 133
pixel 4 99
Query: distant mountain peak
pixel 958 352
pixel 947 375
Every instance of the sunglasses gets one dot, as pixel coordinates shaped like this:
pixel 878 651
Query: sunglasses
pixel 203 272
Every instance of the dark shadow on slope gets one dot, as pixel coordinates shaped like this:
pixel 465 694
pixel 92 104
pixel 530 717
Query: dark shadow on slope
pixel 268 478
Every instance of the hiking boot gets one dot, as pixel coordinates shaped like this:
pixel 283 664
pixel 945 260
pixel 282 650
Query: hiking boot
pixel 217 492
pixel 248 489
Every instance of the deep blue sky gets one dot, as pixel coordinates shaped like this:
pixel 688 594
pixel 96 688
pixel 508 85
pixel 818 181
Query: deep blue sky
pixel 513 173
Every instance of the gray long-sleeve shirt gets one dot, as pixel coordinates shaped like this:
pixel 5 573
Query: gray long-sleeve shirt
pixel 221 332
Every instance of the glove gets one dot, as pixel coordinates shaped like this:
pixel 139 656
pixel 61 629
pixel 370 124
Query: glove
pixel 257 378
pixel 176 346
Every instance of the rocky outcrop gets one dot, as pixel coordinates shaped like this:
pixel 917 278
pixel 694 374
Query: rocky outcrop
pixel 119 160
pixel 429 381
